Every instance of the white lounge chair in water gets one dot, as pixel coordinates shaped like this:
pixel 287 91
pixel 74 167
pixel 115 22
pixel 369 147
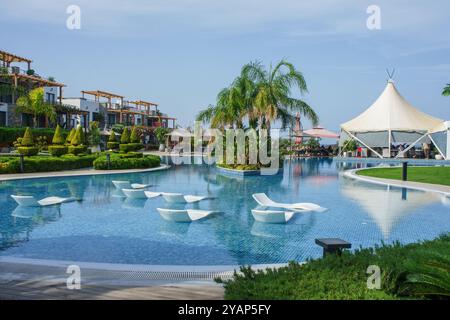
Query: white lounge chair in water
pixel 272 216
pixel 30 201
pixel 134 193
pixel 265 201
pixel 186 215
pixel 180 198
pixel 127 185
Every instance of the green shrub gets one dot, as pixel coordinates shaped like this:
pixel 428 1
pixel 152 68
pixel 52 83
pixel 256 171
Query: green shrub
pixel 75 150
pixel 117 162
pixel 94 134
pixel 27 140
pixel 344 277
pixel 161 134
pixel 112 145
pixel 135 135
pixel 78 137
pixel 57 150
pixel 58 138
pixel 28 151
pixel 132 155
pixel 112 137
pixel 118 128
pixel 10 134
pixel 70 136
pixel 125 137
pixel 128 147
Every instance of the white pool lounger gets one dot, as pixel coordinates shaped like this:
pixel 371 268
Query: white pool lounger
pixel 272 216
pixel 127 185
pixel 180 198
pixel 263 200
pixel 187 215
pixel 134 193
pixel 30 201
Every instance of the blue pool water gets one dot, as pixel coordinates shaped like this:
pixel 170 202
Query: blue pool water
pixel 106 228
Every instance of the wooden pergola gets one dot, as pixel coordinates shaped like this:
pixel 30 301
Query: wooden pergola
pixel 7 58
pixel 140 104
pixel 107 95
pixel 34 82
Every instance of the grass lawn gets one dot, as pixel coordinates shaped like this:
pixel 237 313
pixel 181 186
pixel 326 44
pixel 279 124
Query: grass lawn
pixel 434 175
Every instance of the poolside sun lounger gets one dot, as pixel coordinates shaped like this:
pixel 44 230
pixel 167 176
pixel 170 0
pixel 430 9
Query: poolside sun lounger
pixel 127 185
pixel 187 215
pixel 272 216
pixel 134 193
pixel 180 198
pixel 150 194
pixel 30 201
pixel 265 201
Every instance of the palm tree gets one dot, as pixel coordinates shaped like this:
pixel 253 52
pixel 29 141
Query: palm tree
pixel 34 103
pixel 446 91
pixel 273 99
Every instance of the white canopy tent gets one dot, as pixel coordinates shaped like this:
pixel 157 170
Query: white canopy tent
pixel 441 138
pixel 390 119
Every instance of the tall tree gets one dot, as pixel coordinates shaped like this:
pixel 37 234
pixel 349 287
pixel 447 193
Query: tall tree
pixel 34 103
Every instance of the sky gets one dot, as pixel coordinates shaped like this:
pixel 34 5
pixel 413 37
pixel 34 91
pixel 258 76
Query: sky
pixel 181 53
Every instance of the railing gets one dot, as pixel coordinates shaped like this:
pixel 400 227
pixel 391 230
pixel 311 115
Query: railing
pixel 18 70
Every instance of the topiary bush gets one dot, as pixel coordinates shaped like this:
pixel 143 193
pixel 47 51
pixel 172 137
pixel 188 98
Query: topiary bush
pixel 10 134
pixel 112 145
pixel 78 137
pixel 27 139
pixel 28 151
pixel 135 136
pixel 125 137
pixel 70 136
pixel 57 150
pixel 128 147
pixel 58 138
pixel 75 150
pixel 118 163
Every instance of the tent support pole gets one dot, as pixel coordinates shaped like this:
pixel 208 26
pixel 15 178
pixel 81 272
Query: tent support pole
pixel 412 145
pixel 390 142
pixel 442 154
pixel 359 140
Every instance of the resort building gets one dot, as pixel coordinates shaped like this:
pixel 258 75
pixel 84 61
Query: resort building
pixel 17 78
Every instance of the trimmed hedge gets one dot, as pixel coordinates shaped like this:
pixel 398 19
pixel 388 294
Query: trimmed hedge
pixel 77 149
pixel 57 150
pixel 131 155
pixel 10 134
pixel 46 164
pixel 128 147
pixel 112 145
pixel 28 151
pixel 118 162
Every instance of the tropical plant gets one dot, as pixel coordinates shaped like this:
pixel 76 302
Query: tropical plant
pixel 125 137
pixel 30 72
pixel 94 134
pixel 118 128
pixel 51 79
pixel 34 103
pixel 161 133
pixel 446 91
pixel 58 138
pixel 350 145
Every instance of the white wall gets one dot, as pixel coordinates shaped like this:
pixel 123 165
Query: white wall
pixel 51 90
pixel 83 104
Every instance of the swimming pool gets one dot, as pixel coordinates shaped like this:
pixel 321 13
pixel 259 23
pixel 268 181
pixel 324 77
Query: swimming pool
pixel 107 228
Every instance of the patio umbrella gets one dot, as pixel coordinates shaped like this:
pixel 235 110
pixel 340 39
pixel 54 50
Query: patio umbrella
pixel 321 132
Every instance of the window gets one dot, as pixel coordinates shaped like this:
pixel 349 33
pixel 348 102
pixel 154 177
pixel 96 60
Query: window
pixel 2 118
pixel 50 97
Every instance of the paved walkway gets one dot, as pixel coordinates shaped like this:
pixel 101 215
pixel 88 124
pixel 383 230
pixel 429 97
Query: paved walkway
pixel 79 172
pixel 399 183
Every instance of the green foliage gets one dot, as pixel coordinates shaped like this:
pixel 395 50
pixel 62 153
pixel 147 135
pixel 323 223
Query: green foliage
pixel 28 151
pixel 41 143
pixel 312 144
pixel 112 145
pixel 112 137
pixel 58 138
pixel 161 133
pixel 131 155
pixel 94 134
pixel 27 139
pixel 127 147
pixel 77 137
pixel 77 149
pixel 349 145
pixel 70 136
pixel 344 277
pixel 34 103
pixel 135 136
pixel 57 150
pixel 8 135
pixel 47 164
pixel 118 128
pixel 30 72
pixel 125 137
pixel 435 175
pixel 118 162
pixel 446 91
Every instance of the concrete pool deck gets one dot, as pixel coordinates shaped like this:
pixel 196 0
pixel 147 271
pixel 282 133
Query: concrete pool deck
pixel 353 174
pixel 75 173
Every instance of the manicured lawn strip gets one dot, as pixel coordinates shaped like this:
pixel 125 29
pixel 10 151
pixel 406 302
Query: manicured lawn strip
pixel 434 175
pixel 345 277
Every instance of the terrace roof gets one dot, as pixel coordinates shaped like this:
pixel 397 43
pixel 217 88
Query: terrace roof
pixel 9 57
pixel 103 94
pixel 144 103
pixel 36 80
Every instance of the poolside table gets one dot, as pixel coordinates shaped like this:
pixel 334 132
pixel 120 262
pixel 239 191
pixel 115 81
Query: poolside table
pixel 333 245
